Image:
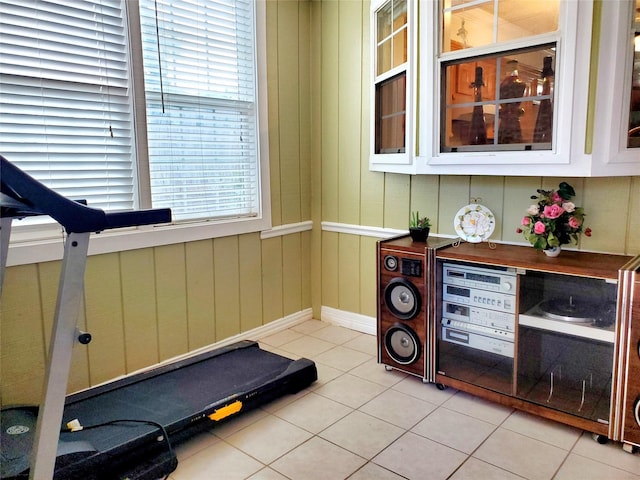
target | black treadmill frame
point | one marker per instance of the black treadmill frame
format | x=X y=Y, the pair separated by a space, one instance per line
x=143 y=445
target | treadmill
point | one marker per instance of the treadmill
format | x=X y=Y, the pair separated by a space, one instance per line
x=125 y=429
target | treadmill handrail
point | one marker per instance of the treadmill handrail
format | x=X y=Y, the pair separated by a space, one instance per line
x=28 y=196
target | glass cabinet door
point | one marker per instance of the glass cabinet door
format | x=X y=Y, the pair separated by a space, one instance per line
x=475 y=316
x=566 y=336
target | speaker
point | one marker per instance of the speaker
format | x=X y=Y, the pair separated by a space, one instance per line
x=402 y=344
x=402 y=308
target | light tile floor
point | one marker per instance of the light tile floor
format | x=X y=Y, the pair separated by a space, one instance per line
x=361 y=422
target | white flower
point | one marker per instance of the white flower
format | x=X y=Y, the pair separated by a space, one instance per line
x=568 y=207
x=533 y=209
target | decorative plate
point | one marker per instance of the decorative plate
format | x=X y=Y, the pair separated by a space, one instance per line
x=474 y=223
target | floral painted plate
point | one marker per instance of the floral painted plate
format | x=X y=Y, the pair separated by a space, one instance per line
x=474 y=223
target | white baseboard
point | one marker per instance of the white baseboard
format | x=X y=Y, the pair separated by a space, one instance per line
x=354 y=321
x=258 y=332
x=262 y=331
x=270 y=328
x=342 y=318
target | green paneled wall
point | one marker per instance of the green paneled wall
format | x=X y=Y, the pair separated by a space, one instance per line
x=143 y=306
x=23 y=338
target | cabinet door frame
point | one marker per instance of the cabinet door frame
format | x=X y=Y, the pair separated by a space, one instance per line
x=574 y=27
x=383 y=161
x=613 y=91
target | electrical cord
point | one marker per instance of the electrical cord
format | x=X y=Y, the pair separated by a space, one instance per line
x=75 y=426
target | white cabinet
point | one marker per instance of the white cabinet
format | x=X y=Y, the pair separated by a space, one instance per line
x=468 y=113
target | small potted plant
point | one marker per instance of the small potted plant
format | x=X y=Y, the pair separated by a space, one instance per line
x=419 y=227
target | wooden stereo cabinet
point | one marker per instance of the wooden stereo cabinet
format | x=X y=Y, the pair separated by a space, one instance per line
x=629 y=360
x=555 y=337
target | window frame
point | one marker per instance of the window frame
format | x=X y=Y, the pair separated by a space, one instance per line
x=378 y=161
x=31 y=244
x=613 y=90
x=566 y=84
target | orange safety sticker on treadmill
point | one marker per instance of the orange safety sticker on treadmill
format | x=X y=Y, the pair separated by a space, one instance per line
x=225 y=411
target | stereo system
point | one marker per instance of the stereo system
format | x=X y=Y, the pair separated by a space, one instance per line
x=478 y=308
x=557 y=338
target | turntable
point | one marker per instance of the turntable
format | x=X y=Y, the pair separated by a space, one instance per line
x=573 y=309
x=578 y=310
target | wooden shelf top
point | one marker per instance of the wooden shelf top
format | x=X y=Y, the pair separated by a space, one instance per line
x=404 y=243
x=569 y=262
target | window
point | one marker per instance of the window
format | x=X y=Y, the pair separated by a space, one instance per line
x=503 y=100
x=67 y=105
x=392 y=40
x=546 y=36
x=616 y=137
x=391 y=93
x=201 y=98
x=65 y=109
x=391 y=110
x=499 y=102
x=487 y=87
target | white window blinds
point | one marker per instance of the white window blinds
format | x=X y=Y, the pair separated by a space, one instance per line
x=200 y=85
x=65 y=112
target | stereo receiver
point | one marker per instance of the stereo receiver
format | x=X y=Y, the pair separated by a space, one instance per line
x=502 y=280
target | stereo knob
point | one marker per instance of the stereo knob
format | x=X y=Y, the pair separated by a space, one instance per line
x=507 y=286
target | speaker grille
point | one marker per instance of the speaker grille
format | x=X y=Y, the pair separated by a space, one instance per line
x=402 y=344
x=402 y=298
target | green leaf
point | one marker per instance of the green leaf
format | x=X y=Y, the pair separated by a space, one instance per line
x=540 y=244
x=566 y=191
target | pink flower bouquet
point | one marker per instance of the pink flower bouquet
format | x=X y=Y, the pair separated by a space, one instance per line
x=553 y=220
